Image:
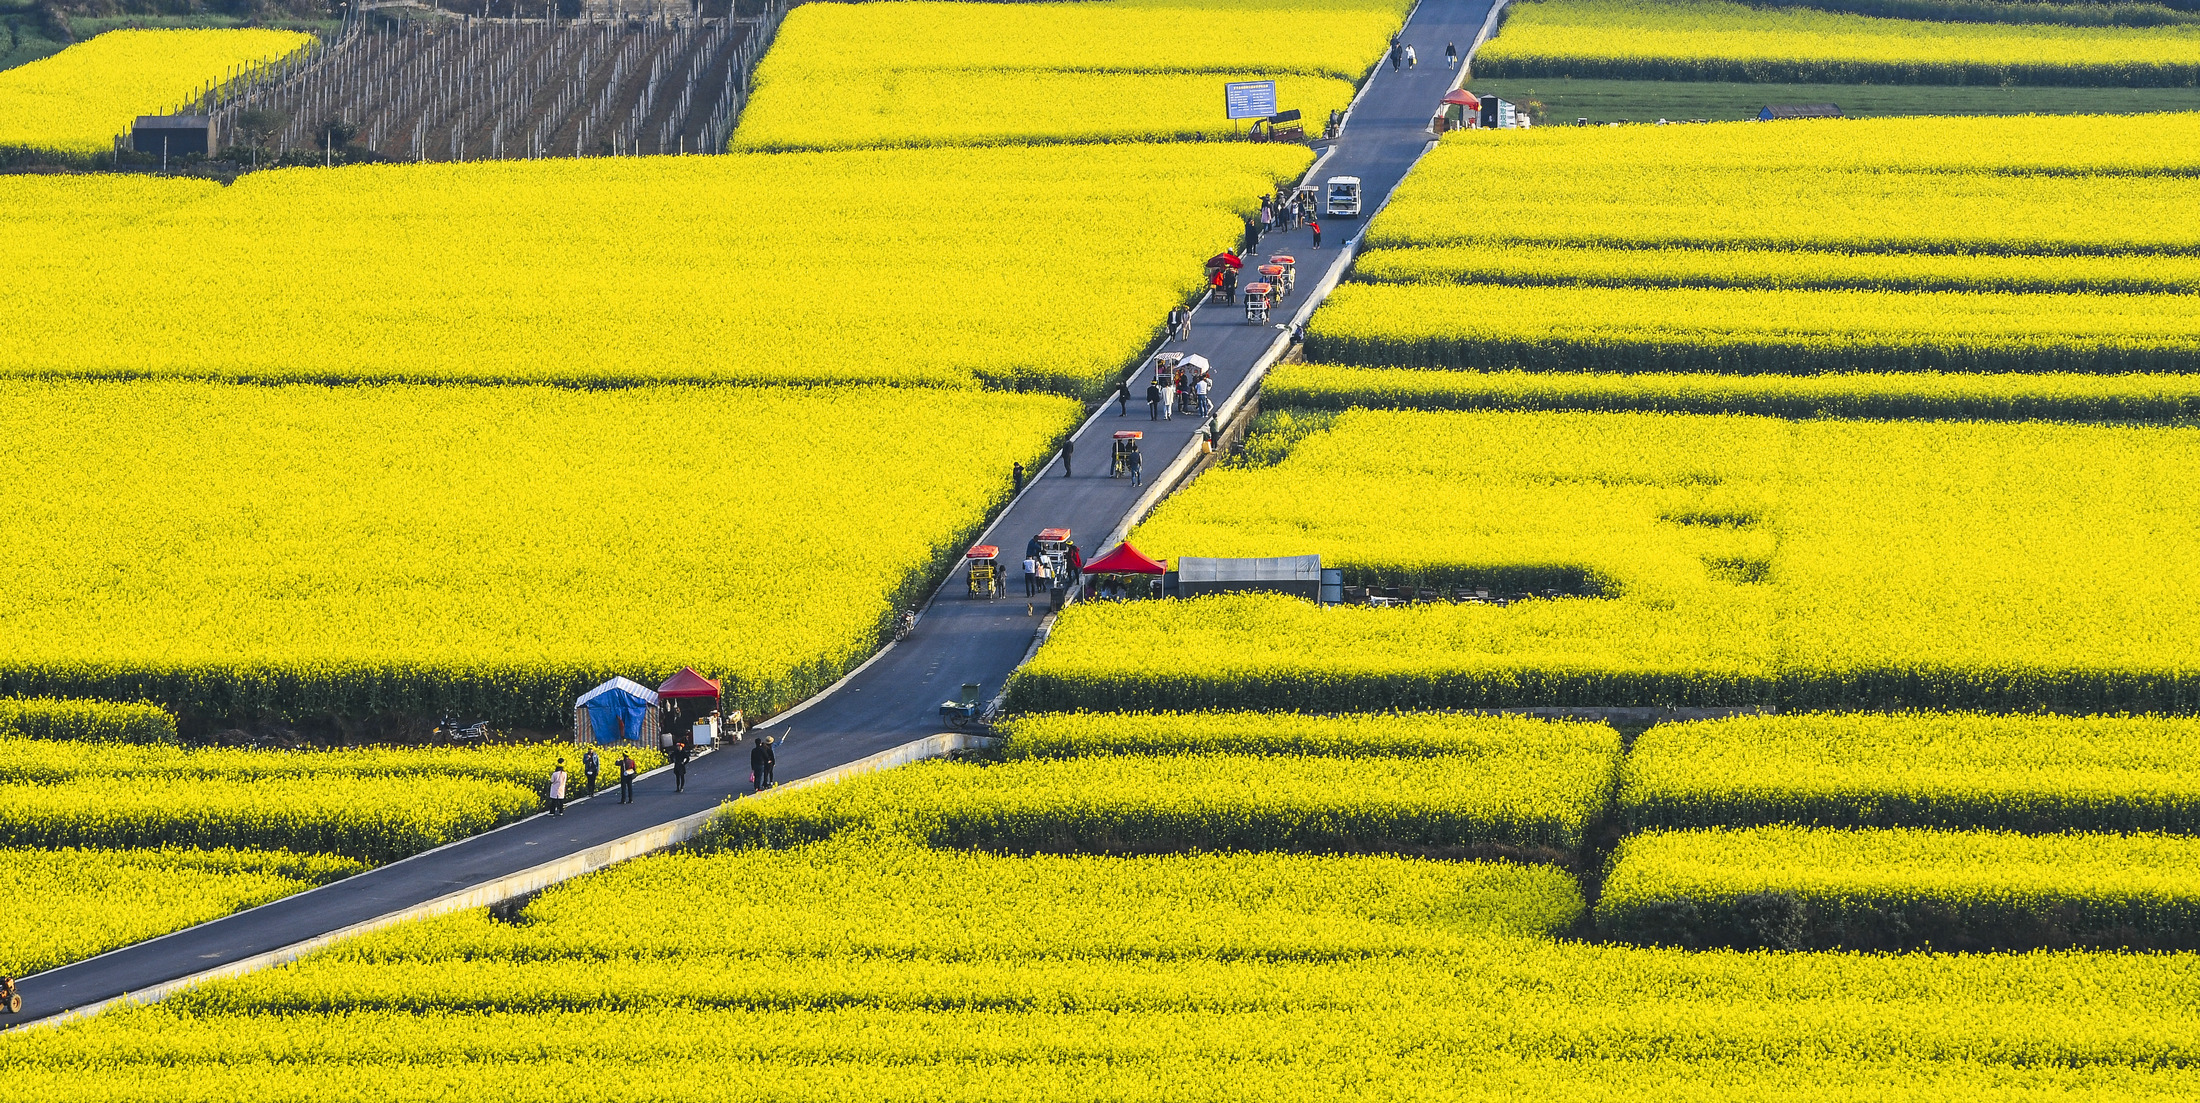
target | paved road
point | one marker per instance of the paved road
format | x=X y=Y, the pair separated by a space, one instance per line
x=894 y=699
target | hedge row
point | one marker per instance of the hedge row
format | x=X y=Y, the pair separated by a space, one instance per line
x=88 y=721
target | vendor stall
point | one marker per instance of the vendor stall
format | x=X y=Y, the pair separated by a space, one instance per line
x=689 y=703
x=1125 y=572
x=620 y=710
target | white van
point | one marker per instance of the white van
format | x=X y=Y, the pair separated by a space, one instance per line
x=1344 y=197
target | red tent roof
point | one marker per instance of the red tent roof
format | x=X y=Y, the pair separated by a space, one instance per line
x=1125 y=560
x=1463 y=98
x=687 y=683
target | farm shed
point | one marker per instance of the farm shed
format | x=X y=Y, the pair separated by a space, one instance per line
x=181 y=134
x=1299 y=575
x=620 y=709
x=1799 y=111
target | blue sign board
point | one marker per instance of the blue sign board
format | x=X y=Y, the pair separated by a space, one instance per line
x=1249 y=99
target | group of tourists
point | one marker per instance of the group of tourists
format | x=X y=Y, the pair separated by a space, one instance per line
x=1282 y=212
x=762 y=757
x=1042 y=575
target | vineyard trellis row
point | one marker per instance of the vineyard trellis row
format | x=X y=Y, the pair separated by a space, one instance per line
x=502 y=89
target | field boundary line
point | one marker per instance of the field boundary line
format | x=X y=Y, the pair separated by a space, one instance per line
x=533 y=879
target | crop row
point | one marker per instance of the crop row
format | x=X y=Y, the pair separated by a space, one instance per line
x=1751 y=331
x=103 y=722
x=413 y=549
x=1312 y=390
x=1097 y=71
x=1716 y=40
x=1718 y=561
x=1794 y=888
x=663 y=268
x=1954 y=771
x=1535 y=799
x=69 y=904
x=77 y=100
x=25 y=762
x=1374 y=735
x=946 y=975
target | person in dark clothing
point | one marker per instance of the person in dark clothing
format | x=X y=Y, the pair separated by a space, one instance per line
x=680 y=756
x=761 y=759
x=1069 y=451
x=1229 y=284
x=1317 y=228
x=1397 y=54
x=590 y=764
x=626 y=778
x=1451 y=55
x=1134 y=458
x=1180 y=324
x=1016 y=477
x=1153 y=401
x=1076 y=565
x=1123 y=398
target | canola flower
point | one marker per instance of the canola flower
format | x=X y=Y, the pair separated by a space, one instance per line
x=1535 y=800
x=844 y=76
x=413 y=549
x=1901 y=888
x=103 y=722
x=1715 y=40
x=624 y=271
x=1954 y=771
x=1314 y=388
x=72 y=904
x=375 y=804
x=1715 y=561
x=1388 y=735
x=76 y=101
x=960 y=976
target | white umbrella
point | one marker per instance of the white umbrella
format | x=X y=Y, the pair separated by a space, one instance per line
x=1198 y=362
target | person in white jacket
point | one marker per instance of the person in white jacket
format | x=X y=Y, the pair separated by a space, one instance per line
x=557 y=789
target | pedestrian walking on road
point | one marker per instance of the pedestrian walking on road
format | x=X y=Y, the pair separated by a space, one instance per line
x=1451 y=56
x=1180 y=324
x=761 y=760
x=589 y=765
x=1397 y=55
x=1317 y=228
x=1133 y=457
x=1016 y=477
x=1069 y=450
x=1411 y=60
x=1123 y=398
x=626 y=777
x=1076 y=565
x=1200 y=388
x=680 y=756
x=1153 y=402
x=557 y=789
x=1168 y=398
x=1229 y=285
x=1031 y=577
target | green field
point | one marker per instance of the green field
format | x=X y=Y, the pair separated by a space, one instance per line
x=1565 y=99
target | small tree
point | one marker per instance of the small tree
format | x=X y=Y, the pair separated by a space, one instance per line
x=258 y=125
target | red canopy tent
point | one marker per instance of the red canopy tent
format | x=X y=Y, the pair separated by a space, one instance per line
x=685 y=698
x=1463 y=98
x=687 y=683
x=1125 y=560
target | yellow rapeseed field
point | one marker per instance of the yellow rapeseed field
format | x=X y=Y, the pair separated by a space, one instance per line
x=77 y=100
x=933 y=267
x=1885 y=246
x=71 y=904
x=307 y=550
x=1716 y=40
x=918 y=74
x=885 y=973
x=1725 y=560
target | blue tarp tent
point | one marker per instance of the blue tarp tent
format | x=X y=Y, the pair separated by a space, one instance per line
x=619 y=709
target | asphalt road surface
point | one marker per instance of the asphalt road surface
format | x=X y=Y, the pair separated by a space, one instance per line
x=896 y=698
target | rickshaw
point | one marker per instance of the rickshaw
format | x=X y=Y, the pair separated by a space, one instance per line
x=1290 y=266
x=1126 y=446
x=1258 y=298
x=963 y=711
x=985 y=571
x=1054 y=550
x=1164 y=368
x=11 y=1001
x=1272 y=275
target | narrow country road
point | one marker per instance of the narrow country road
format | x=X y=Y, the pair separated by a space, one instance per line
x=894 y=699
